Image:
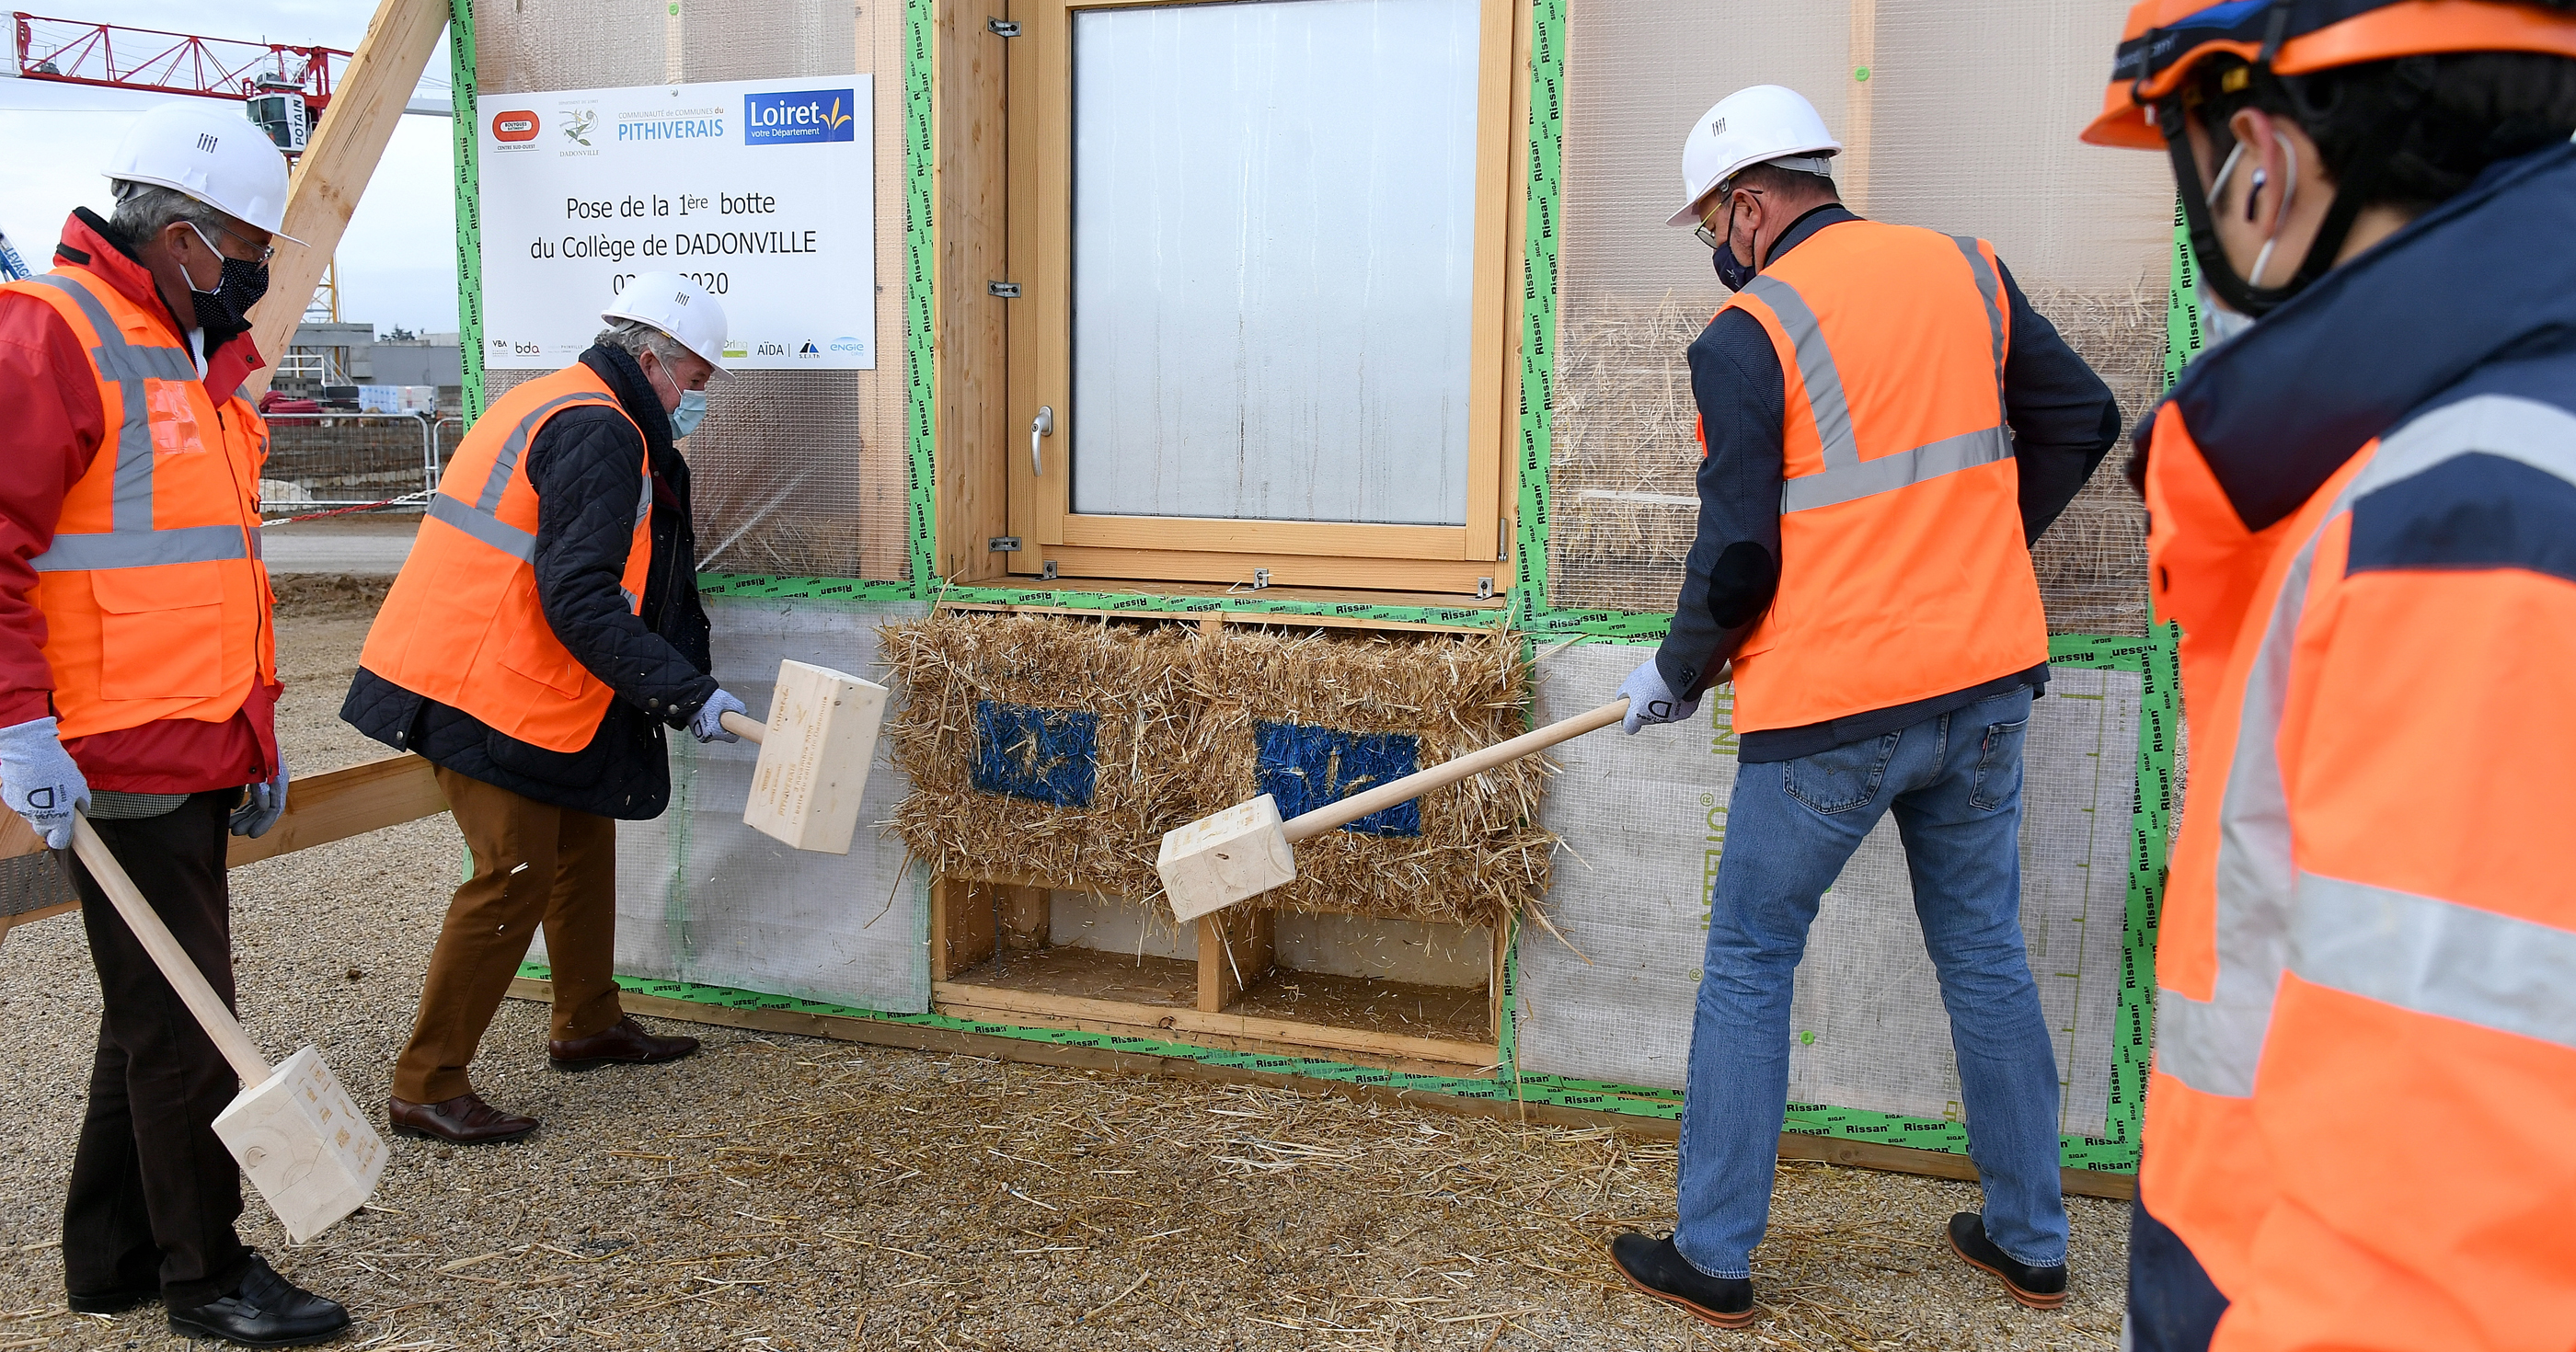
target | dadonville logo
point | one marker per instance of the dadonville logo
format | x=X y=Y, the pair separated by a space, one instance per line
x=514 y=126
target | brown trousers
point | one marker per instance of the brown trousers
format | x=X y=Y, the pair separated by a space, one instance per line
x=534 y=863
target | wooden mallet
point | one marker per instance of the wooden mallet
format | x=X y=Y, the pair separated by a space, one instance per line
x=814 y=754
x=1244 y=851
x=299 y=1138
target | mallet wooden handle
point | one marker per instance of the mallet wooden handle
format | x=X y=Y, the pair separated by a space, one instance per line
x=748 y=730
x=175 y=964
x=1387 y=795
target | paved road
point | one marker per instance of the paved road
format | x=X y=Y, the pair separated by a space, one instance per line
x=368 y=549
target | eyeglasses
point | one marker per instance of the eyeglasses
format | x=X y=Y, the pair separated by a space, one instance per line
x=260 y=253
x=1725 y=195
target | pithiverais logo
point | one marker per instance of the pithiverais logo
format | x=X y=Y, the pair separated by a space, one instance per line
x=798 y=117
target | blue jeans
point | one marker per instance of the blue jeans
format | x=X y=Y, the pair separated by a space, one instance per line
x=1954 y=783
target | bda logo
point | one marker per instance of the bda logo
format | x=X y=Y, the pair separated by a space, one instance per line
x=809 y=350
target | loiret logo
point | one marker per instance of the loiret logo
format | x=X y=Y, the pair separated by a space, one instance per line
x=800 y=117
x=515 y=126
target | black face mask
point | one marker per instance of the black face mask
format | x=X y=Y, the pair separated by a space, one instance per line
x=226 y=309
x=1734 y=273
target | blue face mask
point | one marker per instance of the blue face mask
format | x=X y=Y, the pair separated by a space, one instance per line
x=684 y=420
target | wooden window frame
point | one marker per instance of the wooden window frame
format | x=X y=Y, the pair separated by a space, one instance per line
x=1449 y=560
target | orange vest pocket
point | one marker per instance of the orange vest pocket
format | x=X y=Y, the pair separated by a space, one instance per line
x=176 y=429
x=161 y=631
x=533 y=651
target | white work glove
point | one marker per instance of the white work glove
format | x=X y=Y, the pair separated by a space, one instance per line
x=1652 y=701
x=262 y=805
x=708 y=726
x=39 y=780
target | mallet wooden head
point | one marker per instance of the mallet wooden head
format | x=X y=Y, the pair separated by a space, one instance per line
x=1217 y=861
x=814 y=755
x=298 y=1137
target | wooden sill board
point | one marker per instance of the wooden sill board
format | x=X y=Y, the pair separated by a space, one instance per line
x=320 y=809
x=969 y=1000
x=954 y=1042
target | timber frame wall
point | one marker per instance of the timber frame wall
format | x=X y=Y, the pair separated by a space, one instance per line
x=960 y=430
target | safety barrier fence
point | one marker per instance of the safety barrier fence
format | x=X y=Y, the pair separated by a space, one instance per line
x=324 y=460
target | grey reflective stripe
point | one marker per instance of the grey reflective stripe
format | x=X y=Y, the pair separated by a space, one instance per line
x=1993 y=291
x=2213 y=1045
x=1825 y=401
x=484 y=526
x=127 y=366
x=2540 y=435
x=644 y=500
x=1891 y=472
x=2436 y=957
x=145 y=548
x=516 y=445
x=1846 y=477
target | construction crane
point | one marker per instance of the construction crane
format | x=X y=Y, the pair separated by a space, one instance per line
x=283 y=88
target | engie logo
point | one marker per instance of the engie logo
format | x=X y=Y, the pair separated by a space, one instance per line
x=514 y=127
x=798 y=117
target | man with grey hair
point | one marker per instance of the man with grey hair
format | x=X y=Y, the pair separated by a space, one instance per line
x=138 y=681
x=544 y=631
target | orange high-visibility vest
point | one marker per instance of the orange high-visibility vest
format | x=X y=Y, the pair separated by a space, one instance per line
x=462 y=624
x=156 y=604
x=2365 y=1037
x=1903 y=573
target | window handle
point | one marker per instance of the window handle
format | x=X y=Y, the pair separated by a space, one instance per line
x=1042 y=425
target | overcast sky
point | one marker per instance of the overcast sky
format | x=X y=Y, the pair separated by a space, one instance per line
x=397 y=263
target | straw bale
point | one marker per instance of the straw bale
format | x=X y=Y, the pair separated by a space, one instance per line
x=1481 y=856
x=1177 y=711
x=1623 y=463
x=1134 y=679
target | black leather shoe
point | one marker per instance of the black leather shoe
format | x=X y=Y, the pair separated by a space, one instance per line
x=463 y=1120
x=266 y=1310
x=1655 y=1267
x=117 y=1301
x=622 y=1043
x=2040 y=1288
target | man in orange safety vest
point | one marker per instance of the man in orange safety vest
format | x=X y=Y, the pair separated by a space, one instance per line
x=2363 y=517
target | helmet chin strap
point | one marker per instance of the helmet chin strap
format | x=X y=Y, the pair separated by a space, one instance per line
x=2247 y=295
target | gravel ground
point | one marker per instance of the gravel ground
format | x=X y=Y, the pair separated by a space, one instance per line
x=781 y=1192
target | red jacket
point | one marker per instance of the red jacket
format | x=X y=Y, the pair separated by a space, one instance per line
x=53 y=430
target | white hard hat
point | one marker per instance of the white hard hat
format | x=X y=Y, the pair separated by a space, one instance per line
x=220 y=159
x=1766 y=123
x=678 y=307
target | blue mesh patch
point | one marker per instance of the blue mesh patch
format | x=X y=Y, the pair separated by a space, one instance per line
x=1046 y=755
x=1307 y=767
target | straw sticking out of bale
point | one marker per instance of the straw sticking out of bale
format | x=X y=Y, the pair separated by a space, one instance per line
x=1479 y=856
x=1623 y=463
x=1134 y=680
x=1183 y=724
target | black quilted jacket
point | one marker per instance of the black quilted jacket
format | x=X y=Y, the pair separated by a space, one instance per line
x=582 y=465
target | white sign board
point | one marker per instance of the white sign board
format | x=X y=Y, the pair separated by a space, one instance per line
x=758 y=190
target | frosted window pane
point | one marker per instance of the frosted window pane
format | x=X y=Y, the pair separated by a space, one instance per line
x=1273 y=235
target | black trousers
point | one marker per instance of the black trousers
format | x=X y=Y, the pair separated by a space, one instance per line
x=153 y=1194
